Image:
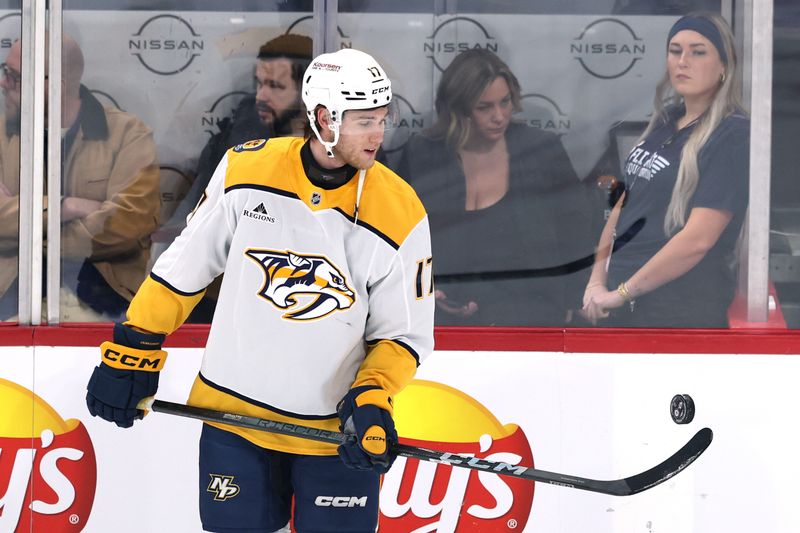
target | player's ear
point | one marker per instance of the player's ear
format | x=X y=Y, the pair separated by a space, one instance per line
x=323 y=117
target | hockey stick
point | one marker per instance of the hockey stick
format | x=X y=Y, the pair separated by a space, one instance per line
x=620 y=487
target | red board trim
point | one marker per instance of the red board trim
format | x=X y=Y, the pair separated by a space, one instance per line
x=577 y=340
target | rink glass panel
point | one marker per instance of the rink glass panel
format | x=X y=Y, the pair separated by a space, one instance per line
x=10 y=194
x=180 y=68
x=194 y=82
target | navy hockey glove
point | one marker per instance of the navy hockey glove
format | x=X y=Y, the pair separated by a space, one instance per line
x=128 y=372
x=365 y=415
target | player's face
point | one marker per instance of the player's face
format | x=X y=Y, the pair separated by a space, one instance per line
x=10 y=81
x=276 y=92
x=694 y=65
x=492 y=112
x=360 y=136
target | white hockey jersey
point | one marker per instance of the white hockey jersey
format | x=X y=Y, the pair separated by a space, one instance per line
x=313 y=300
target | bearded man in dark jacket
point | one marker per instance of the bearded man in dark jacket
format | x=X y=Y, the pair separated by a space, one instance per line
x=275 y=110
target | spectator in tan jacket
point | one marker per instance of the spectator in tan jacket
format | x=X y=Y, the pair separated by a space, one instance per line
x=109 y=196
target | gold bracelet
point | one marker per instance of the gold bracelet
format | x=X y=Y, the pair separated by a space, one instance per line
x=622 y=289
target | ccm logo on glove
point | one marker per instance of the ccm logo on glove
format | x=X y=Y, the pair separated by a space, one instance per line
x=375 y=441
x=132 y=359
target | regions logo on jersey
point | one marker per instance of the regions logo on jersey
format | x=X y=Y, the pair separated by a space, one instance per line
x=260 y=213
x=308 y=286
x=250 y=146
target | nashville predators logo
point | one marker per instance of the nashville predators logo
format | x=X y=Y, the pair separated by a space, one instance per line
x=222 y=487
x=307 y=286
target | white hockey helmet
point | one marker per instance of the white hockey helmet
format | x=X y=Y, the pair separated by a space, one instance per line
x=341 y=81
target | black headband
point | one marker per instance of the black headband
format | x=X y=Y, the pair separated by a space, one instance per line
x=704 y=27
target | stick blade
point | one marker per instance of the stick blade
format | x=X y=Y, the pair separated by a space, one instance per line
x=670 y=467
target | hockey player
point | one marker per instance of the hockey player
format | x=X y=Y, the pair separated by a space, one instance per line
x=325 y=311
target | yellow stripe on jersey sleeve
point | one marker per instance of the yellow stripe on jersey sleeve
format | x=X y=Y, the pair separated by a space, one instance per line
x=203 y=395
x=157 y=309
x=388 y=365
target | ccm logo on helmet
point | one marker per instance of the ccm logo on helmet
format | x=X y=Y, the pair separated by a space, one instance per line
x=132 y=361
x=340 y=501
x=380 y=90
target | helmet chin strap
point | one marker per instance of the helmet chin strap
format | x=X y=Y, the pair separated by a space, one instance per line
x=334 y=127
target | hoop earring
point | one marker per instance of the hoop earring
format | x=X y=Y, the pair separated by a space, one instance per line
x=722 y=78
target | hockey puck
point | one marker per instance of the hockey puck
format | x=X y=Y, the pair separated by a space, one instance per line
x=681 y=408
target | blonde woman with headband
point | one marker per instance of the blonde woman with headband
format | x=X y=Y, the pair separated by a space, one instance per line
x=665 y=255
